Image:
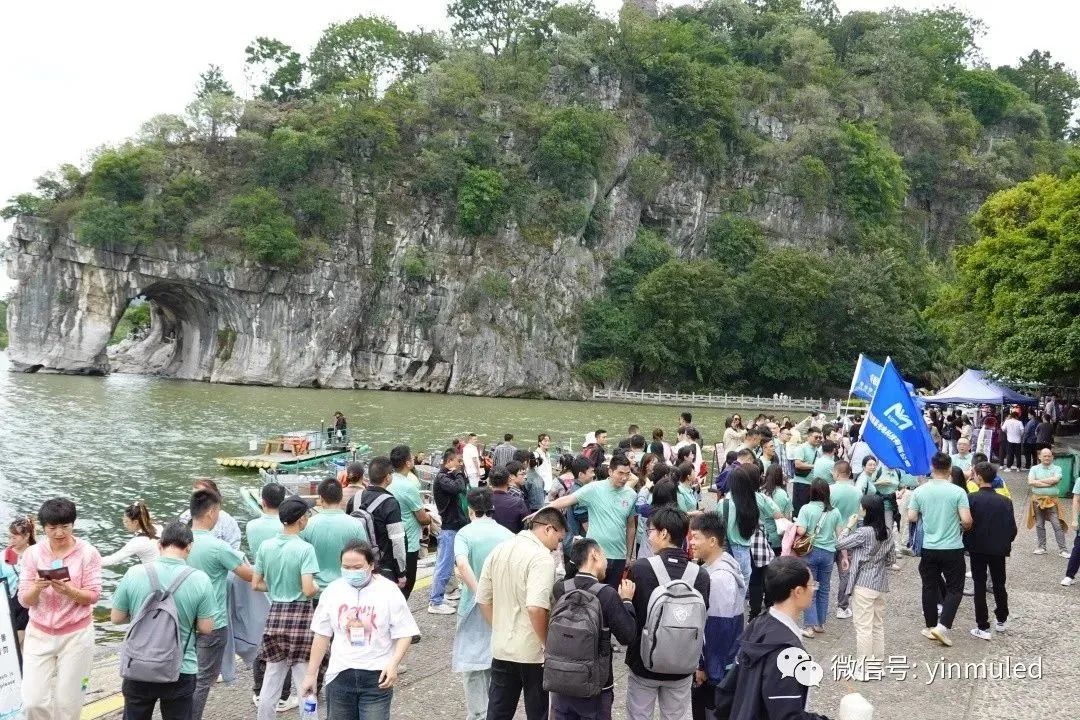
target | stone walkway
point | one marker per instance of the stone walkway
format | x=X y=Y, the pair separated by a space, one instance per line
x=1041 y=629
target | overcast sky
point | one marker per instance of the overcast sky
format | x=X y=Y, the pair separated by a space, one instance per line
x=83 y=74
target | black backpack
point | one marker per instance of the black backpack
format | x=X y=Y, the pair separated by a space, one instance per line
x=574 y=662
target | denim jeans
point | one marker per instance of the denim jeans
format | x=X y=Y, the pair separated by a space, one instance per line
x=821 y=565
x=741 y=553
x=444 y=565
x=211 y=651
x=355 y=695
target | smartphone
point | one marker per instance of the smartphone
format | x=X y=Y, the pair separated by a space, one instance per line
x=60 y=573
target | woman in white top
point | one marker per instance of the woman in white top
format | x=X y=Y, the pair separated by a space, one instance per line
x=145 y=543
x=734 y=433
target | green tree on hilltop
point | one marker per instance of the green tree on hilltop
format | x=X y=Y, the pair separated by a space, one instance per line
x=1047 y=83
x=363 y=50
x=275 y=69
x=497 y=24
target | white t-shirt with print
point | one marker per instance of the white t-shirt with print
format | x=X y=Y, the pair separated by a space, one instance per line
x=363 y=623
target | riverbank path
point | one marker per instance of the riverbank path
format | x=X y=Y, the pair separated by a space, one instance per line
x=1042 y=628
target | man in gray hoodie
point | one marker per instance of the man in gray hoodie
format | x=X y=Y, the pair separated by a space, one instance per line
x=724 y=624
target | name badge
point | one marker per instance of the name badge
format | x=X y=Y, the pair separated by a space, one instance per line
x=357 y=636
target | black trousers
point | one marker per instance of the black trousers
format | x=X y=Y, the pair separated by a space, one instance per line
x=936 y=566
x=1012 y=454
x=410 y=572
x=756 y=592
x=613 y=575
x=703 y=701
x=564 y=707
x=508 y=681
x=996 y=565
x=800 y=495
x=175 y=699
x=1028 y=451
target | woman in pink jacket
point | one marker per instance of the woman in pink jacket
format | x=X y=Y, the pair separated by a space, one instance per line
x=59 y=647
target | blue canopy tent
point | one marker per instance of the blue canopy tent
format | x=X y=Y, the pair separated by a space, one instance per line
x=974 y=387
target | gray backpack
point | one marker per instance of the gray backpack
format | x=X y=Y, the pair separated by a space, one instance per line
x=152 y=651
x=573 y=658
x=674 y=629
x=364 y=515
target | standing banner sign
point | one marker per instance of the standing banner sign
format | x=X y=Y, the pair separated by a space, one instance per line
x=11 y=706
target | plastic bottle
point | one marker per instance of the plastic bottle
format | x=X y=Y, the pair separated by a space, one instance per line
x=854 y=706
x=310 y=708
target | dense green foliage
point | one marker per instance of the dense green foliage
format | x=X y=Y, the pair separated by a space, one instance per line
x=135 y=319
x=802 y=175
x=3 y=325
x=1015 y=304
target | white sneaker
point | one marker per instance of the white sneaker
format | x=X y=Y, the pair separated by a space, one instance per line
x=1039 y=551
x=442 y=609
x=940 y=608
x=843 y=613
x=927 y=633
x=1067 y=581
x=942 y=635
x=981 y=634
x=894 y=566
x=1064 y=554
x=1001 y=627
x=287 y=705
x=255 y=700
x=455 y=595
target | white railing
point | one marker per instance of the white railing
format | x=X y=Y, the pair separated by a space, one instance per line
x=733 y=402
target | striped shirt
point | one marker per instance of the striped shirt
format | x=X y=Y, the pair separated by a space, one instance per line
x=870 y=558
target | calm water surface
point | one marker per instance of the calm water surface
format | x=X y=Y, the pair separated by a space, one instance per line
x=104 y=442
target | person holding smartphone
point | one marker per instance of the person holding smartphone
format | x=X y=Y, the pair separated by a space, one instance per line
x=60 y=583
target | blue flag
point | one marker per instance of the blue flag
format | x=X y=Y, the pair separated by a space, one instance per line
x=866 y=378
x=894 y=427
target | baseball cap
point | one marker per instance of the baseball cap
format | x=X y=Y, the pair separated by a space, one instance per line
x=292 y=509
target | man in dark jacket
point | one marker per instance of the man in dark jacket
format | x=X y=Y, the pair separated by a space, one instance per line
x=762 y=691
x=617 y=610
x=645 y=689
x=989 y=542
x=386 y=514
x=450 y=488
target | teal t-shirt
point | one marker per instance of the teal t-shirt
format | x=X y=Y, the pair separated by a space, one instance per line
x=194 y=601
x=865 y=483
x=475 y=542
x=961 y=461
x=687 y=499
x=782 y=501
x=328 y=532
x=1041 y=472
x=823 y=467
x=825 y=538
x=282 y=560
x=766 y=509
x=217 y=559
x=609 y=512
x=261 y=529
x=808 y=455
x=407 y=491
x=939 y=502
x=845 y=497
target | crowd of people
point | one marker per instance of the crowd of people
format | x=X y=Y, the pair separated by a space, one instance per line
x=550 y=564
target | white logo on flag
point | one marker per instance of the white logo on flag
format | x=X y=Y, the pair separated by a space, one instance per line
x=896 y=415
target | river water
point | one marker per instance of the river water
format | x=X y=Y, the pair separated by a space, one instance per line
x=107 y=441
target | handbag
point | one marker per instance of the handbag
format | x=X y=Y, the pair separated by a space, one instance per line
x=805 y=543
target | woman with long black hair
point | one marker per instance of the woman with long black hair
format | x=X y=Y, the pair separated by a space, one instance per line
x=772 y=487
x=870 y=551
x=745 y=509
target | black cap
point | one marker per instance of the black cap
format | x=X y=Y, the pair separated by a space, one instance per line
x=292 y=509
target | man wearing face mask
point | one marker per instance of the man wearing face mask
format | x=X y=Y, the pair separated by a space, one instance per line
x=364 y=621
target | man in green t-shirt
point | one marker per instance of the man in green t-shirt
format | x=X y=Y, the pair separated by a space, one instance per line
x=330 y=530
x=259 y=530
x=195 y=613
x=217 y=559
x=845 y=497
x=406 y=489
x=285 y=569
x=612 y=515
x=1043 y=479
x=804 y=458
x=943 y=509
x=823 y=465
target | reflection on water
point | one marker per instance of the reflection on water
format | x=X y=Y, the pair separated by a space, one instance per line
x=105 y=442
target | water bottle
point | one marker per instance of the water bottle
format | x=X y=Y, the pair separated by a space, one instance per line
x=310 y=709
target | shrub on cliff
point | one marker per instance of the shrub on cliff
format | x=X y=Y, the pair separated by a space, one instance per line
x=266 y=231
x=480 y=202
